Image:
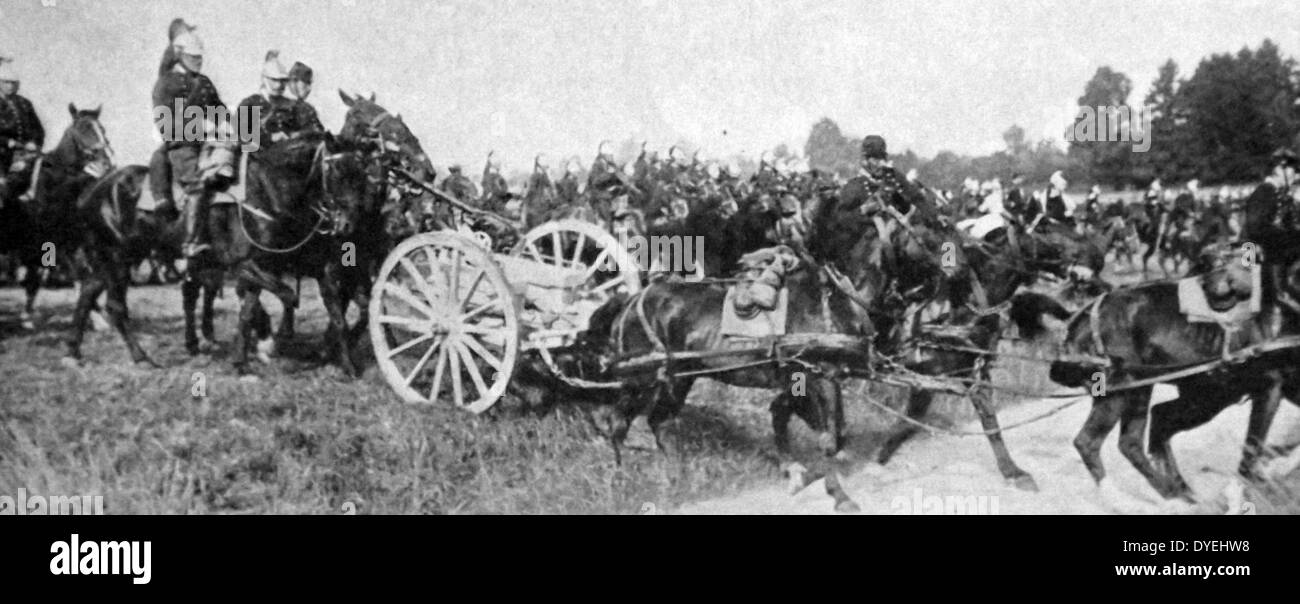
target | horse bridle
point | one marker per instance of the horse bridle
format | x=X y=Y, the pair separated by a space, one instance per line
x=322 y=162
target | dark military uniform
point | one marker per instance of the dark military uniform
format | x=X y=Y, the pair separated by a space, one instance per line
x=496 y=193
x=888 y=183
x=192 y=90
x=567 y=189
x=1055 y=205
x=540 y=198
x=19 y=126
x=459 y=187
x=603 y=175
x=279 y=114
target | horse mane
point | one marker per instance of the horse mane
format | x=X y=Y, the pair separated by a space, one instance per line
x=64 y=154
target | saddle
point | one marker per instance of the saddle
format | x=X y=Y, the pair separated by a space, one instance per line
x=756 y=305
x=762 y=277
x=1235 y=321
x=217 y=165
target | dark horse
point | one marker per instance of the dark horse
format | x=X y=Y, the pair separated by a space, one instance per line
x=384 y=137
x=305 y=195
x=1141 y=333
x=40 y=225
x=945 y=294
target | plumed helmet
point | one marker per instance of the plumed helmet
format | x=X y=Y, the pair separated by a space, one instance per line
x=272 y=68
x=873 y=146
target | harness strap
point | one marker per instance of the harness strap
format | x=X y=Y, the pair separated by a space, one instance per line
x=1094 y=324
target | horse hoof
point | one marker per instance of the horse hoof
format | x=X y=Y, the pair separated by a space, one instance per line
x=147 y=363
x=847 y=506
x=70 y=362
x=1024 y=482
x=795 y=475
x=27 y=323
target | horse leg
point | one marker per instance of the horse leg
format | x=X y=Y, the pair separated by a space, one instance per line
x=918 y=403
x=248 y=305
x=1105 y=414
x=91 y=287
x=666 y=403
x=1263 y=409
x=823 y=411
x=118 y=314
x=189 y=301
x=1168 y=419
x=981 y=398
x=1133 y=427
x=782 y=410
x=31 y=285
x=334 y=305
x=211 y=287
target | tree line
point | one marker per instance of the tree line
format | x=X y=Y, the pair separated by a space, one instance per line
x=1220 y=125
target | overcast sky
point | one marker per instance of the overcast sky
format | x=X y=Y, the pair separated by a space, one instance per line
x=559 y=76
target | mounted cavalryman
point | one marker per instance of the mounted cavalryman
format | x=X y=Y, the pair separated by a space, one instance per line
x=20 y=131
x=300 y=77
x=280 y=115
x=183 y=87
x=496 y=193
x=160 y=173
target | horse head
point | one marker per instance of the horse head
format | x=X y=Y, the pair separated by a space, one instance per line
x=85 y=146
x=351 y=190
x=368 y=124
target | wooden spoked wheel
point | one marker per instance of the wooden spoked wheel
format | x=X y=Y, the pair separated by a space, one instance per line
x=581 y=262
x=444 y=322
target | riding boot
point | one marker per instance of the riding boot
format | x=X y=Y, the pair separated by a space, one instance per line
x=195 y=219
x=160 y=184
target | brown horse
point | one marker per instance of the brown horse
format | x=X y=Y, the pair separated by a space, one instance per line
x=1141 y=333
x=41 y=224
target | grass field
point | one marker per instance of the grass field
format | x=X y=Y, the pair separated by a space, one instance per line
x=302 y=439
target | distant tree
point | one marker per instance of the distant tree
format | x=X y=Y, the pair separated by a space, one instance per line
x=1102 y=160
x=1239 y=109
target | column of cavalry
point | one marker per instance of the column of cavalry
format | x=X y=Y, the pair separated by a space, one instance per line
x=803 y=280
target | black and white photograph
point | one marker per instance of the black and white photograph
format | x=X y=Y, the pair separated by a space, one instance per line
x=651 y=258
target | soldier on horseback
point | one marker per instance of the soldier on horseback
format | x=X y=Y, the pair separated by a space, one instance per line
x=282 y=117
x=300 y=77
x=183 y=86
x=1054 y=206
x=459 y=186
x=567 y=187
x=21 y=134
x=496 y=193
